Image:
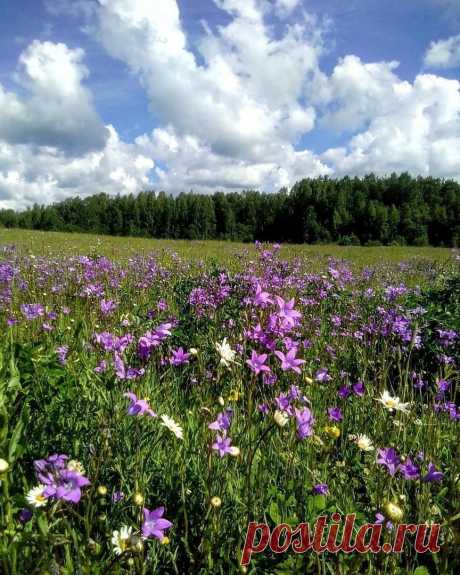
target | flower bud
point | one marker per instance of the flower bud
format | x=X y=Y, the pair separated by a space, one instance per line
x=216 y=501
x=280 y=418
x=138 y=499
x=393 y=511
x=4 y=465
x=102 y=490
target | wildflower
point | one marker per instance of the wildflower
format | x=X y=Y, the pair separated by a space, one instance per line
x=364 y=443
x=322 y=375
x=121 y=540
x=280 y=418
x=234 y=395
x=4 y=465
x=222 y=445
x=62 y=352
x=409 y=469
x=333 y=431
x=68 y=486
x=344 y=391
x=257 y=362
x=321 y=489
x=389 y=458
x=335 y=414
x=289 y=360
x=393 y=511
x=138 y=406
x=154 y=524
x=223 y=421
x=117 y=496
x=432 y=474
x=179 y=357
x=36 y=496
x=138 y=499
x=25 y=515
x=193 y=351
x=108 y=306
x=392 y=403
x=263 y=408
x=173 y=427
x=102 y=490
x=358 y=389
x=216 y=501
x=227 y=354
x=305 y=421
x=380 y=519
x=287 y=312
x=32 y=310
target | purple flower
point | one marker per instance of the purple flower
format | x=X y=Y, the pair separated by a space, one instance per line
x=138 y=406
x=344 y=391
x=62 y=352
x=154 y=524
x=358 y=388
x=60 y=482
x=305 y=421
x=389 y=458
x=69 y=486
x=287 y=312
x=25 y=515
x=117 y=496
x=108 y=306
x=261 y=298
x=432 y=474
x=263 y=408
x=321 y=489
x=179 y=357
x=289 y=360
x=223 y=445
x=123 y=372
x=223 y=421
x=380 y=519
x=257 y=362
x=322 y=375
x=101 y=367
x=409 y=469
x=32 y=310
x=335 y=414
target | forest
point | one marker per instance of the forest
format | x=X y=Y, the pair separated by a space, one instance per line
x=395 y=210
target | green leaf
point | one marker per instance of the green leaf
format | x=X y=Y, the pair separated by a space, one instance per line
x=274 y=512
x=421 y=571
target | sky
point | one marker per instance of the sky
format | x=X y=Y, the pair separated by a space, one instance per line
x=119 y=96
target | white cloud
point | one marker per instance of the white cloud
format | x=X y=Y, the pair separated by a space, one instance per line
x=444 y=53
x=230 y=113
x=57 y=110
x=46 y=175
x=407 y=127
x=234 y=99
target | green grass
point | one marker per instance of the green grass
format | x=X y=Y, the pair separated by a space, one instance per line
x=57 y=243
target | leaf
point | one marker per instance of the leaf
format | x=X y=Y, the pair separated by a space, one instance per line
x=274 y=512
x=421 y=571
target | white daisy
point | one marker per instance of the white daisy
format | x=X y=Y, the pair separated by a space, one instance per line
x=35 y=496
x=172 y=426
x=121 y=540
x=364 y=443
x=227 y=354
x=393 y=403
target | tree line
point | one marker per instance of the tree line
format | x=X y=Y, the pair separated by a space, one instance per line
x=398 y=209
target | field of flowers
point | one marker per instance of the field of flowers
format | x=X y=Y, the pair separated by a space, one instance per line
x=152 y=404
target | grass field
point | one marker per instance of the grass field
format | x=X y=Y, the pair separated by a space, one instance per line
x=56 y=243
x=158 y=396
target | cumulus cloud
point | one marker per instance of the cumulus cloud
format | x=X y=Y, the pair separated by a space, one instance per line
x=46 y=175
x=444 y=53
x=411 y=127
x=57 y=109
x=231 y=97
x=230 y=110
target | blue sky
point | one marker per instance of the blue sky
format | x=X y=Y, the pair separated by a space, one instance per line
x=124 y=95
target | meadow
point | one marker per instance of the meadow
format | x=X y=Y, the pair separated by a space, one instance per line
x=157 y=396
